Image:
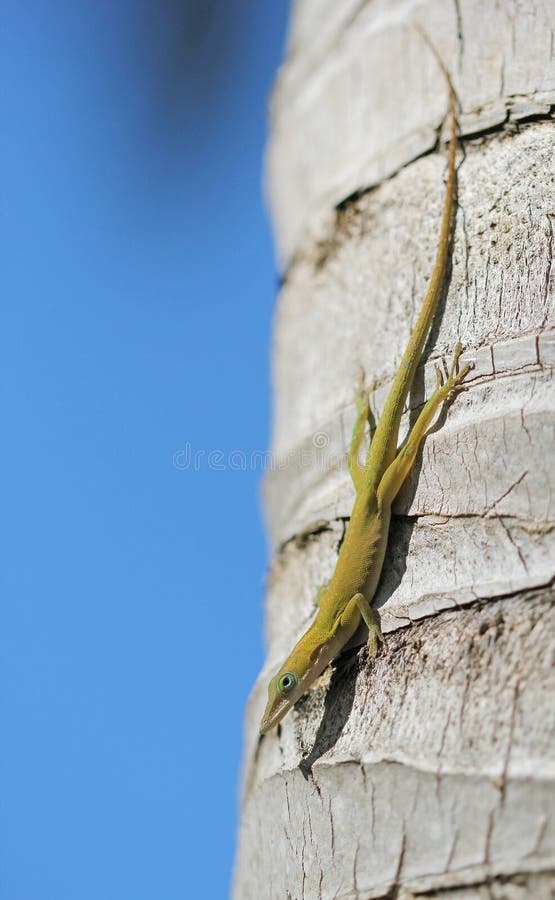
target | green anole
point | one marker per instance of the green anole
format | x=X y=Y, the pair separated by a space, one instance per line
x=346 y=599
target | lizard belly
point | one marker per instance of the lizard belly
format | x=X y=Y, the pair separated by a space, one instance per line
x=361 y=556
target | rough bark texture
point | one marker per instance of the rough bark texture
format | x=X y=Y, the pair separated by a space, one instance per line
x=432 y=770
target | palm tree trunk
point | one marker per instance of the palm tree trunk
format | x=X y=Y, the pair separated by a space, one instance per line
x=432 y=770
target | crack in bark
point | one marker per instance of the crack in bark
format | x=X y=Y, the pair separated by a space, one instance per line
x=490 y=881
x=452 y=849
x=514 y=544
x=548 y=274
x=332 y=829
x=460 y=32
x=489 y=833
x=393 y=892
x=355 y=861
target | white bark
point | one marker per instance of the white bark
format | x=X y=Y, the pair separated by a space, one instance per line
x=434 y=768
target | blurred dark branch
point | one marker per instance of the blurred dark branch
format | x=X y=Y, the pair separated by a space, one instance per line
x=189 y=50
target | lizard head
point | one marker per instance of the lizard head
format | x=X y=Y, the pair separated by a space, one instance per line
x=305 y=664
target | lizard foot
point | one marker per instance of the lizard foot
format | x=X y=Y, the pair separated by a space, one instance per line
x=375 y=638
x=454 y=382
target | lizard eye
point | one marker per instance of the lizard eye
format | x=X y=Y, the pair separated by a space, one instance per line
x=287 y=682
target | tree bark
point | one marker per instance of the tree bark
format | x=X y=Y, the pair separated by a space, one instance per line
x=430 y=771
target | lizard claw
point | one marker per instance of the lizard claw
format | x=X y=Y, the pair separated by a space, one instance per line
x=456 y=377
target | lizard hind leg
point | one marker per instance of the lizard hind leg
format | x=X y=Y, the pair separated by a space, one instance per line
x=395 y=475
x=364 y=415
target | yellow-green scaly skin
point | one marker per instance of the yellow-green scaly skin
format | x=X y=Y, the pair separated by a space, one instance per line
x=347 y=597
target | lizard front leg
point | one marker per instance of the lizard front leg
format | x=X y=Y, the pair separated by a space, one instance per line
x=359 y=606
x=368 y=613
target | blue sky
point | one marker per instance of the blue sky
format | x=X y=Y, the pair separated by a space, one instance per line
x=138 y=289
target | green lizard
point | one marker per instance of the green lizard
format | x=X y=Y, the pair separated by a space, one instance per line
x=346 y=599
